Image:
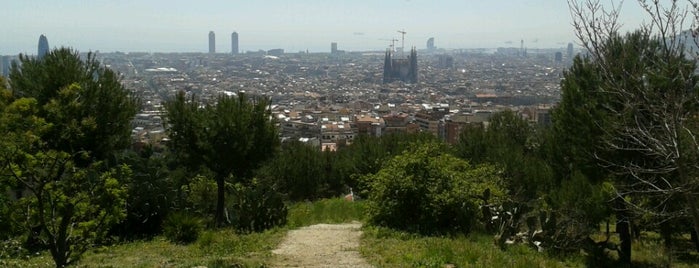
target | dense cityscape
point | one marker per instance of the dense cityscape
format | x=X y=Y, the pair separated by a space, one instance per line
x=318 y=135
x=326 y=99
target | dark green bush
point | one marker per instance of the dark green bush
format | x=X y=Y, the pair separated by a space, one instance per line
x=428 y=191
x=182 y=228
x=257 y=207
x=152 y=193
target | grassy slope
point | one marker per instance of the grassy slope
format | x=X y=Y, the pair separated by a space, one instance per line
x=214 y=248
x=381 y=246
x=388 y=248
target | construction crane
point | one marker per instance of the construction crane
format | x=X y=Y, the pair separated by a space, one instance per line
x=402 y=45
x=393 y=43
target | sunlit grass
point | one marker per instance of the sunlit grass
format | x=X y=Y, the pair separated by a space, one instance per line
x=388 y=248
x=325 y=211
x=215 y=248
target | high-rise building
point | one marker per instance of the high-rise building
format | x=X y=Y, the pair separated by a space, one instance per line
x=430 y=43
x=6 y=63
x=43 y=46
x=234 y=43
x=558 y=57
x=570 y=51
x=212 y=42
x=333 y=48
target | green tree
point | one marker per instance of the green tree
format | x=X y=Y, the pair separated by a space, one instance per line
x=514 y=144
x=93 y=117
x=230 y=137
x=62 y=117
x=67 y=208
x=647 y=87
x=298 y=170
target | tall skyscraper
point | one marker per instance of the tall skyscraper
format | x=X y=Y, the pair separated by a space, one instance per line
x=234 y=43
x=212 y=42
x=333 y=48
x=430 y=43
x=43 y=46
x=6 y=63
x=570 y=51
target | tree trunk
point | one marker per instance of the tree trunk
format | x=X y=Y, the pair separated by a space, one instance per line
x=692 y=204
x=622 y=227
x=220 y=200
x=666 y=235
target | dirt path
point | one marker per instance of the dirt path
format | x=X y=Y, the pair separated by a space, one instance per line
x=322 y=245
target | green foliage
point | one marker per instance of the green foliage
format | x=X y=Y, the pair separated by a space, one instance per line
x=231 y=137
x=152 y=193
x=257 y=207
x=573 y=212
x=72 y=209
x=182 y=228
x=200 y=195
x=514 y=145
x=579 y=123
x=302 y=172
x=298 y=170
x=89 y=107
x=61 y=119
x=426 y=190
x=367 y=155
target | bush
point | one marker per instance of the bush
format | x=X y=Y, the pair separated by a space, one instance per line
x=152 y=193
x=257 y=207
x=428 y=191
x=182 y=228
x=12 y=248
x=201 y=194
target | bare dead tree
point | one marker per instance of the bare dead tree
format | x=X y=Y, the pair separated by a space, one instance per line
x=650 y=81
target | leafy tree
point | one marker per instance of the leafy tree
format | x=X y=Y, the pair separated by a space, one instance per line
x=61 y=119
x=230 y=137
x=512 y=143
x=299 y=171
x=68 y=209
x=93 y=117
x=427 y=190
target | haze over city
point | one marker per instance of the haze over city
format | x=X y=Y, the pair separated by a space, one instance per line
x=182 y=26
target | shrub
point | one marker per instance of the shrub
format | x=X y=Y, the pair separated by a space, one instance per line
x=201 y=194
x=152 y=193
x=257 y=207
x=182 y=228
x=426 y=190
x=12 y=248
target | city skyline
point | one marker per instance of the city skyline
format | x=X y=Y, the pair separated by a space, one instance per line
x=181 y=26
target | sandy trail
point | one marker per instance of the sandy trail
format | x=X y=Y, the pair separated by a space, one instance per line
x=321 y=245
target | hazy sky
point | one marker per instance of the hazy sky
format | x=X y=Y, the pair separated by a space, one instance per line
x=294 y=25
